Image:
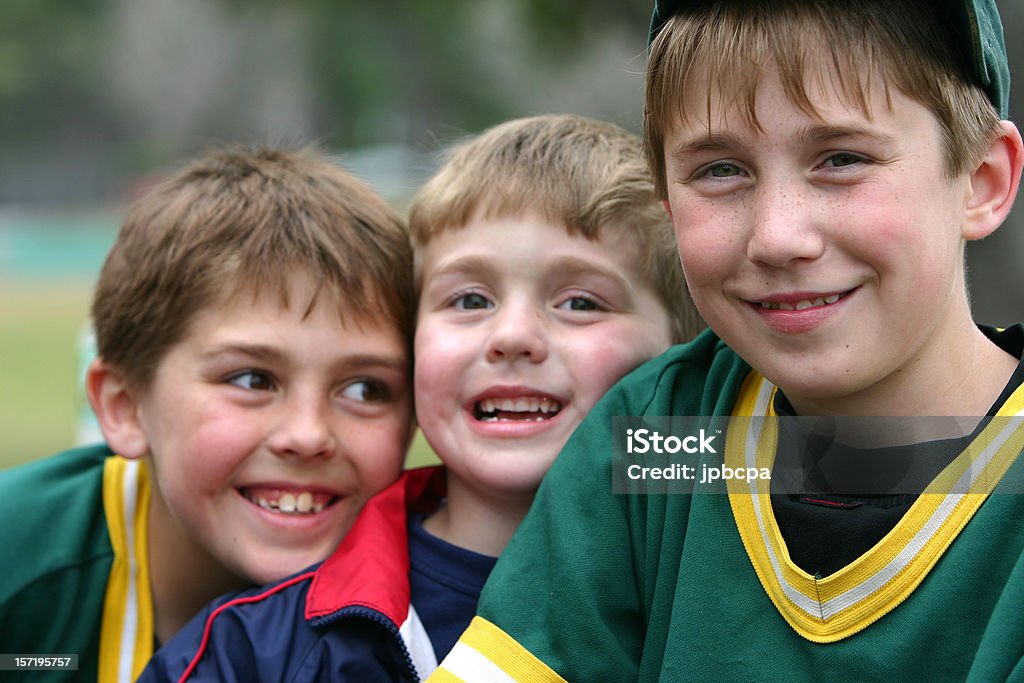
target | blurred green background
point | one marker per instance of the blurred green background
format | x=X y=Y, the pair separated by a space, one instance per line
x=100 y=97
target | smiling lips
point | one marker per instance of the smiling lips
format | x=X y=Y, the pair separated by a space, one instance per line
x=797 y=313
x=288 y=502
x=522 y=408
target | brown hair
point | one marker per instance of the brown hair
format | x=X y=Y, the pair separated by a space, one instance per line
x=846 y=45
x=575 y=171
x=247 y=221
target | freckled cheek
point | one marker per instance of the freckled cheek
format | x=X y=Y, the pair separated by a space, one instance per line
x=706 y=249
x=899 y=242
x=702 y=268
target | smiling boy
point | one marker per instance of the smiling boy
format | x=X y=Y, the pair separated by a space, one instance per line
x=824 y=164
x=546 y=272
x=502 y=380
x=253 y=375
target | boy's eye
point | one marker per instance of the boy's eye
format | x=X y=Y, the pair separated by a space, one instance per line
x=252 y=380
x=723 y=169
x=366 y=391
x=843 y=159
x=472 y=301
x=579 y=303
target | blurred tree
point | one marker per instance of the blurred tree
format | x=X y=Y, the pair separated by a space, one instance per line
x=51 y=98
x=95 y=92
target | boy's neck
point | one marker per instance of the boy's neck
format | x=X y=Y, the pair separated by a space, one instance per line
x=963 y=377
x=479 y=521
x=183 y=578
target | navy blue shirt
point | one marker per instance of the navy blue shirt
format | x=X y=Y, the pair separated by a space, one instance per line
x=445 y=583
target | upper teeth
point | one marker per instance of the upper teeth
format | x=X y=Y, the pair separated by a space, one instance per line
x=520 y=405
x=800 y=305
x=291 y=504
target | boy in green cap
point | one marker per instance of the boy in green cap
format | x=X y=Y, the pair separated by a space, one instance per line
x=824 y=163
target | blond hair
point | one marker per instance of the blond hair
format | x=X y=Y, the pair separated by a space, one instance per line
x=575 y=171
x=240 y=221
x=727 y=47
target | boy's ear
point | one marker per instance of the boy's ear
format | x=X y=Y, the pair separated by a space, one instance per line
x=993 y=184
x=117 y=409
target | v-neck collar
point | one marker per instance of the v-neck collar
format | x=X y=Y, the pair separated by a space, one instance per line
x=841 y=604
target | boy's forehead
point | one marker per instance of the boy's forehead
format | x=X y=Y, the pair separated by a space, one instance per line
x=487 y=238
x=710 y=103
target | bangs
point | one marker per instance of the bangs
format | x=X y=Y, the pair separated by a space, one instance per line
x=727 y=53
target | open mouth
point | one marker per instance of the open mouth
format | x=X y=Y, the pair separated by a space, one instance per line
x=521 y=409
x=802 y=304
x=288 y=502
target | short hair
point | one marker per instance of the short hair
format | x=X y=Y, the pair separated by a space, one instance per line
x=248 y=221
x=574 y=171
x=723 y=45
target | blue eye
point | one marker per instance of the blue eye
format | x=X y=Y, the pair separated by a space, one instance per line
x=366 y=391
x=579 y=303
x=723 y=169
x=254 y=380
x=472 y=301
x=841 y=159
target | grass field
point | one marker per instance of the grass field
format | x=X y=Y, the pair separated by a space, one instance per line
x=39 y=330
x=39 y=327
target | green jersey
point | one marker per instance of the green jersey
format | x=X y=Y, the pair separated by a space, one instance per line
x=74 y=565
x=700 y=586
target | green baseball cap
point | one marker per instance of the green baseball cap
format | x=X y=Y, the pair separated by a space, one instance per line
x=975 y=20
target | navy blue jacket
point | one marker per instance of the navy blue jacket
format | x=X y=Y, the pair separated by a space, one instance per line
x=347 y=619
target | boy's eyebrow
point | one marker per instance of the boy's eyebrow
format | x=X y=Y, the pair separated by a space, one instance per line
x=270 y=354
x=828 y=133
x=817 y=134
x=573 y=265
x=461 y=266
x=708 y=142
x=568 y=265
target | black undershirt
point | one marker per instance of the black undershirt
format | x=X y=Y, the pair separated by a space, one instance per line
x=825 y=531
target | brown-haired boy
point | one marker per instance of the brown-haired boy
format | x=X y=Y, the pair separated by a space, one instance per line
x=546 y=271
x=253 y=322
x=825 y=163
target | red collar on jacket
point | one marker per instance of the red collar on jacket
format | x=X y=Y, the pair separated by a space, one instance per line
x=370 y=568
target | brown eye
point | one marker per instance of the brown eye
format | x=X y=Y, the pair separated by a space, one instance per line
x=366 y=391
x=252 y=380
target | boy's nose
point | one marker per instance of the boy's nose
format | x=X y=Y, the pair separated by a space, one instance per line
x=783 y=225
x=303 y=430
x=518 y=334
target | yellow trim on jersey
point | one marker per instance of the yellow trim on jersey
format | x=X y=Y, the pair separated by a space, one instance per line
x=848 y=601
x=126 y=635
x=486 y=653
